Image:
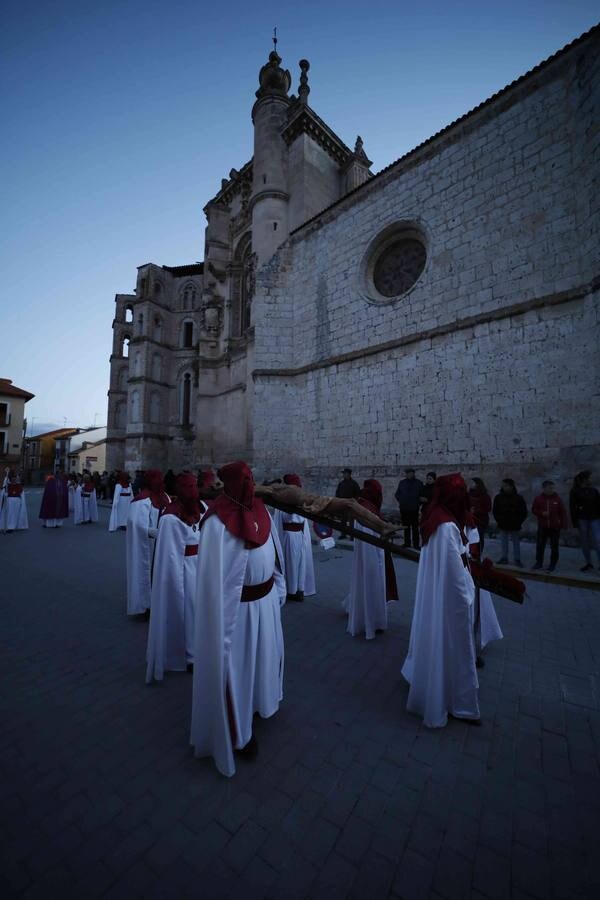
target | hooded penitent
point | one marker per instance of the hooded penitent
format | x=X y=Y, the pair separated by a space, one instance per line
x=243 y=515
x=55 y=501
x=449 y=503
x=187 y=505
x=154 y=489
x=371 y=497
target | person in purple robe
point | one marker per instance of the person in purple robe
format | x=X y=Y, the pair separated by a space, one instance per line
x=55 y=501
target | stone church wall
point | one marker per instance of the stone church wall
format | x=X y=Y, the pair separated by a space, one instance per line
x=489 y=364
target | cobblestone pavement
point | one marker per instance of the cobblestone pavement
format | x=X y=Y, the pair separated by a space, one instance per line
x=350 y=796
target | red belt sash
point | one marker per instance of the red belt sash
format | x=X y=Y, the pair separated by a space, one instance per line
x=125 y=494
x=293 y=526
x=252 y=592
x=191 y=550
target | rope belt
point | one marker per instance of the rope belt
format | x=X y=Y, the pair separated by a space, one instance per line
x=293 y=526
x=191 y=550
x=252 y=592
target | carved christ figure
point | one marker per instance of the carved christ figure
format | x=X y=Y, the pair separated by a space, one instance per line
x=338 y=507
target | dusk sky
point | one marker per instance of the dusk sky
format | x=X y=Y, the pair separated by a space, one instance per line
x=121 y=118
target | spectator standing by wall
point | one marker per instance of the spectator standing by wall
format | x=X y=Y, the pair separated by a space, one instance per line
x=348 y=489
x=509 y=511
x=481 y=507
x=584 y=504
x=551 y=514
x=408 y=494
x=427 y=492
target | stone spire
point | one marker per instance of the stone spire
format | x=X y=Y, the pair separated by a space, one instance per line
x=272 y=78
x=304 y=89
x=357 y=169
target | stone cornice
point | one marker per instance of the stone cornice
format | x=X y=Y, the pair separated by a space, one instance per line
x=494 y=315
x=304 y=120
x=241 y=386
x=232 y=186
x=263 y=195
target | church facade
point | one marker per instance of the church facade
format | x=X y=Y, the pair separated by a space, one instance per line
x=442 y=313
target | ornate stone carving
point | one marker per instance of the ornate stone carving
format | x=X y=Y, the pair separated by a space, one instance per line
x=211 y=318
x=304 y=89
x=399 y=266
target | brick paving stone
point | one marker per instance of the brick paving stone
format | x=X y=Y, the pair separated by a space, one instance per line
x=337 y=875
x=491 y=874
x=374 y=879
x=453 y=874
x=413 y=876
x=242 y=847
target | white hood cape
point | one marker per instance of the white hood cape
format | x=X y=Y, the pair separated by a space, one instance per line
x=440 y=665
x=222 y=561
x=120 y=507
x=171 y=631
x=139 y=546
x=84 y=510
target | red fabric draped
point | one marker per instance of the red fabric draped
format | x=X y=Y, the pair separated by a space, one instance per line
x=292 y=479
x=449 y=503
x=371 y=497
x=243 y=515
x=186 y=506
x=154 y=489
x=372 y=492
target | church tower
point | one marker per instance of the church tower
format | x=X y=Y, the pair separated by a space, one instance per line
x=270 y=193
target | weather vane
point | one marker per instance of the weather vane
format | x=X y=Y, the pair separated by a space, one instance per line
x=275 y=39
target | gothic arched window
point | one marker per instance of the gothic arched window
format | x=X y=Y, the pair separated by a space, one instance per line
x=125 y=347
x=243 y=286
x=187 y=334
x=129 y=313
x=157 y=367
x=157 y=328
x=188 y=297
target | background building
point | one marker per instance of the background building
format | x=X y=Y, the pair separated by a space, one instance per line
x=12 y=422
x=87 y=451
x=441 y=314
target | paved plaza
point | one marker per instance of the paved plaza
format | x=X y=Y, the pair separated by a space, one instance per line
x=350 y=796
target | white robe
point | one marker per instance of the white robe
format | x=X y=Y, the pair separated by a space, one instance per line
x=72 y=490
x=487 y=626
x=85 y=506
x=238 y=646
x=120 y=508
x=171 y=632
x=366 y=602
x=440 y=666
x=13 y=515
x=297 y=554
x=142 y=517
